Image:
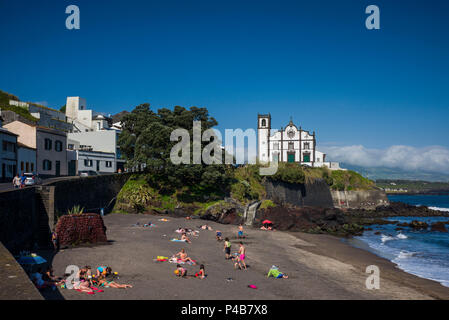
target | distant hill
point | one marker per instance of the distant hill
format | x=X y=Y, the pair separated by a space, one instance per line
x=118 y=117
x=376 y=173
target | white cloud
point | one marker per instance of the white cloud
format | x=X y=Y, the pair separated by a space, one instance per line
x=432 y=158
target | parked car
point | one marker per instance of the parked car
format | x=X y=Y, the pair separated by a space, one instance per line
x=31 y=179
x=87 y=173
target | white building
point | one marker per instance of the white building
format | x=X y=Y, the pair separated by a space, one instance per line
x=84 y=158
x=289 y=144
x=103 y=141
x=94 y=132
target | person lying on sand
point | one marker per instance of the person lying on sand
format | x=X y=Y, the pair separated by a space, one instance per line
x=218 y=235
x=183 y=257
x=102 y=281
x=275 y=273
x=205 y=227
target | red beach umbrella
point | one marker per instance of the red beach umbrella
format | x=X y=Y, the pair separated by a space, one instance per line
x=267 y=222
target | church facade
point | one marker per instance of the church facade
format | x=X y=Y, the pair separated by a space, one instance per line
x=289 y=144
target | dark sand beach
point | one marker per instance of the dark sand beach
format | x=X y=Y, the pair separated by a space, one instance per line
x=319 y=266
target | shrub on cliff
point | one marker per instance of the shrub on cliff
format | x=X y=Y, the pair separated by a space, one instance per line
x=350 y=180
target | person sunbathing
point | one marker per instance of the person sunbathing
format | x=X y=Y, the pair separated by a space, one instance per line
x=275 y=273
x=183 y=257
x=185 y=238
x=102 y=281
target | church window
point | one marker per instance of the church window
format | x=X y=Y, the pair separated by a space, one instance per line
x=306 y=146
x=264 y=123
x=291 y=134
x=276 y=146
x=291 y=146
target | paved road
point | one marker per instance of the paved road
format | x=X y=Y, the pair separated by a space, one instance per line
x=7 y=186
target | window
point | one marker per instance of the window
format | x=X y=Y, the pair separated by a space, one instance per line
x=291 y=134
x=21 y=166
x=291 y=146
x=87 y=163
x=9 y=146
x=27 y=167
x=58 y=146
x=47 y=165
x=276 y=146
x=264 y=123
x=317 y=159
x=108 y=164
x=71 y=146
x=32 y=167
x=306 y=146
x=48 y=144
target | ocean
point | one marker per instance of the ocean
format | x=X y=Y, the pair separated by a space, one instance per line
x=422 y=253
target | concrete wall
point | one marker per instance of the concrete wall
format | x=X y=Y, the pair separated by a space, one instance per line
x=18 y=219
x=365 y=199
x=26 y=156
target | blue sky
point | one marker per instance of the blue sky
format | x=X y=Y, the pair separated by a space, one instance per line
x=312 y=60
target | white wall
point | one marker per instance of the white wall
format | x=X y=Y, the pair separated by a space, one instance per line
x=101 y=157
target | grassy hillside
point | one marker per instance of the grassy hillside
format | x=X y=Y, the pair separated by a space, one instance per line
x=246 y=185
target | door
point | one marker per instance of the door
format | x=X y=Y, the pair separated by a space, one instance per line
x=98 y=165
x=72 y=168
x=58 y=168
x=307 y=157
x=291 y=157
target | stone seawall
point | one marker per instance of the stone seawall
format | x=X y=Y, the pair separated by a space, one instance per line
x=318 y=194
x=364 y=199
x=315 y=194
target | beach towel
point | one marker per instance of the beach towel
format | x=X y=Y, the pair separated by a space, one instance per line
x=177 y=240
x=79 y=290
x=163 y=219
x=252 y=286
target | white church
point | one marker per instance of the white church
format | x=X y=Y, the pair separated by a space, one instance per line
x=289 y=144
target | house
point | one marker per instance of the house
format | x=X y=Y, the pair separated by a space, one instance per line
x=8 y=154
x=86 y=159
x=104 y=142
x=289 y=144
x=50 y=147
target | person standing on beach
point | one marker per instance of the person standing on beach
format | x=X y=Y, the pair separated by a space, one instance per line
x=227 y=248
x=240 y=232
x=241 y=257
